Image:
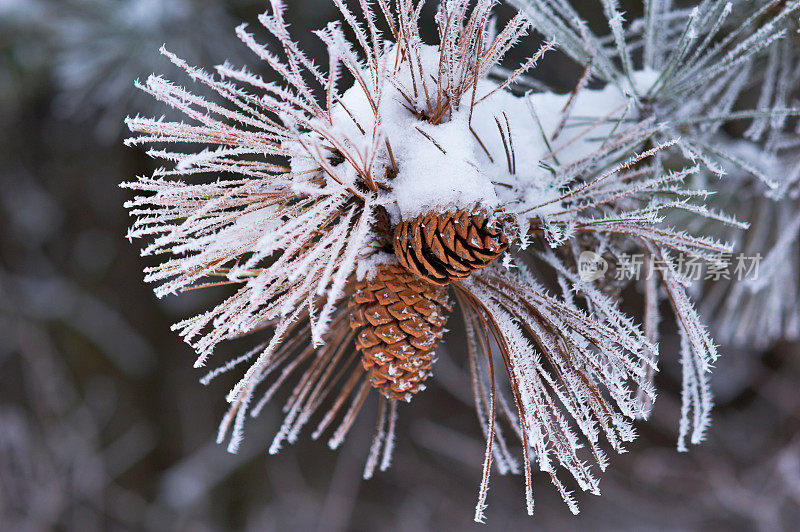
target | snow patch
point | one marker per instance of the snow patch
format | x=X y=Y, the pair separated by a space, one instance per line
x=368 y=266
x=505 y=153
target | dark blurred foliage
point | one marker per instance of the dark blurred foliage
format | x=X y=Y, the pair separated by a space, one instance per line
x=103 y=425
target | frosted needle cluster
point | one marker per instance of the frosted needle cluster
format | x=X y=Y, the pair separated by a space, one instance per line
x=353 y=208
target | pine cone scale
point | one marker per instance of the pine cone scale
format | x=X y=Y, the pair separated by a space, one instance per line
x=378 y=315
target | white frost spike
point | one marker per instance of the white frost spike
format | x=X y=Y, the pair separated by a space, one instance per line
x=698 y=352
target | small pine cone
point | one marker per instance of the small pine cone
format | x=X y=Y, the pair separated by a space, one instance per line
x=398 y=319
x=444 y=247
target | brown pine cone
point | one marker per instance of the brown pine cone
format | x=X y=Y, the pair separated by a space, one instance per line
x=399 y=319
x=444 y=247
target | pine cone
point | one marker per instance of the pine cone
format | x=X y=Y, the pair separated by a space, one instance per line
x=444 y=247
x=399 y=319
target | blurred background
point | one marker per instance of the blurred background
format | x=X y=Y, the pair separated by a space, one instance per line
x=103 y=423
